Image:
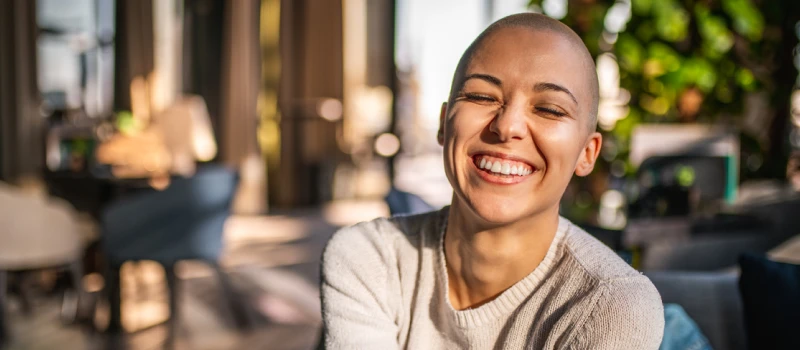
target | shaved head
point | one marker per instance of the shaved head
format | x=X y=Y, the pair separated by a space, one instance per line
x=534 y=22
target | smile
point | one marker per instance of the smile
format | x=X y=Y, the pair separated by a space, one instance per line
x=499 y=166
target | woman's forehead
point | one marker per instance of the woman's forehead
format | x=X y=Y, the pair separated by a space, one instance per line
x=521 y=56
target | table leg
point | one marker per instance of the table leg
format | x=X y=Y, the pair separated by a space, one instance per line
x=4 y=333
x=174 y=310
x=114 y=299
x=235 y=302
x=84 y=310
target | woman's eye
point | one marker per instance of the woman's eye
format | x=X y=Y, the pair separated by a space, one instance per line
x=478 y=98
x=551 y=111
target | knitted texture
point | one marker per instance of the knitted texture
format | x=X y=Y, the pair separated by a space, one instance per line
x=384 y=286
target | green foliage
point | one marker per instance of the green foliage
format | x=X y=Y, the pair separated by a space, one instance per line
x=126 y=123
x=685 y=175
x=671 y=20
x=671 y=48
x=747 y=19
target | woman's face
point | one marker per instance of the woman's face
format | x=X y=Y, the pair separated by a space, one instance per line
x=519 y=126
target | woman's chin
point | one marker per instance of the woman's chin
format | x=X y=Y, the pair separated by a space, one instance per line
x=498 y=214
x=493 y=209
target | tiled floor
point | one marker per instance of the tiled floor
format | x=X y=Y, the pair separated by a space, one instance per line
x=272 y=260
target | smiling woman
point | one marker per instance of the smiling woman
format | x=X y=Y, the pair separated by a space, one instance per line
x=498 y=268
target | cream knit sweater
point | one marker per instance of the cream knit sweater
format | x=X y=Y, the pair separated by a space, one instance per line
x=384 y=286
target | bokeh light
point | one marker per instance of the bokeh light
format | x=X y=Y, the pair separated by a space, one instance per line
x=387 y=144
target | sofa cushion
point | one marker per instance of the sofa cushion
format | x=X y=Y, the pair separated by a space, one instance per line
x=771 y=301
x=711 y=299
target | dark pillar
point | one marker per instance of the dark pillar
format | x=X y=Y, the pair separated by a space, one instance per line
x=133 y=52
x=312 y=59
x=21 y=125
x=202 y=60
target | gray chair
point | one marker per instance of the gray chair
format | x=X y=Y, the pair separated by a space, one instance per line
x=36 y=233
x=711 y=299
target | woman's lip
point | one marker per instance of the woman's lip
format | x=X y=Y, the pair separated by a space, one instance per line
x=504 y=156
x=499 y=179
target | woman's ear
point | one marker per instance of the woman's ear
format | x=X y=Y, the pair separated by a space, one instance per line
x=589 y=154
x=440 y=134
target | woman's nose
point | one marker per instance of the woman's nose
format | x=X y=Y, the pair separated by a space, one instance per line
x=510 y=123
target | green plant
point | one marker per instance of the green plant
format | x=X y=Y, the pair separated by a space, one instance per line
x=695 y=61
x=684 y=61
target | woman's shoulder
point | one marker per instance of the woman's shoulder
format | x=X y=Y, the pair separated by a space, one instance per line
x=596 y=259
x=625 y=301
x=605 y=269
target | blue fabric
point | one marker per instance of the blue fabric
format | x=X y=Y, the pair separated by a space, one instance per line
x=680 y=331
x=406 y=203
x=771 y=298
x=184 y=221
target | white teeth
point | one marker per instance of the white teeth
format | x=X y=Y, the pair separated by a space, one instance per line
x=506 y=169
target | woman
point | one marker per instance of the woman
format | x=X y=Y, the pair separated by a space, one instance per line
x=498 y=268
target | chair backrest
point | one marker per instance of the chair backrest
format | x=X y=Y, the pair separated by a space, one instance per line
x=184 y=221
x=711 y=299
x=401 y=202
x=36 y=231
x=708 y=174
x=674 y=184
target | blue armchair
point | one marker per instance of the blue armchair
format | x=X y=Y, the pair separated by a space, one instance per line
x=401 y=203
x=184 y=221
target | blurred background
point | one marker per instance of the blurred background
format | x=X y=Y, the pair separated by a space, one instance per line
x=170 y=170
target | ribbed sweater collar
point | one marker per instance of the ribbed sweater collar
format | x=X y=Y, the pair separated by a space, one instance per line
x=508 y=301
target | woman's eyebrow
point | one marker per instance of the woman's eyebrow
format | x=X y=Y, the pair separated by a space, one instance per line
x=539 y=87
x=485 y=77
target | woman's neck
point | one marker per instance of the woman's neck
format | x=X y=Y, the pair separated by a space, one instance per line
x=483 y=262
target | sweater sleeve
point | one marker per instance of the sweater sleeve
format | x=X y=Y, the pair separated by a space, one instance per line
x=628 y=314
x=357 y=309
